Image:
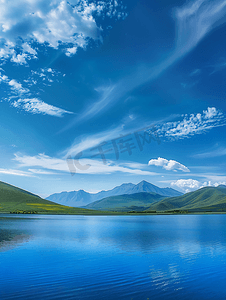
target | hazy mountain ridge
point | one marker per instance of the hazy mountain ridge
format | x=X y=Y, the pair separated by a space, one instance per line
x=81 y=198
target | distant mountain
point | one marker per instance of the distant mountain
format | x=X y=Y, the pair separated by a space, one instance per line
x=125 y=203
x=145 y=186
x=16 y=200
x=81 y=198
x=76 y=199
x=204 y=199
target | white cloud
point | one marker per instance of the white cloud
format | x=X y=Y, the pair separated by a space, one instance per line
x=210 y=183
x=36 y=106
x=124 y=130
x=193 y=124
x=195 y=19
x=219 y=183
x=71 y=51
x=186 y=183
x=19 y=58
x=27 y=49
x=211 y=112
x=170 y=165
x=15 y=172
x=17 y=86
x=55 y=23
x=43 y=76
x=25 y=102
x=29 y=173
x=89 y=142
x=41 y=172
x=81 y=166
x=189 y=126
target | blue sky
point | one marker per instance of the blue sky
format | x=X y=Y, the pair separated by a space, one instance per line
x=98 y=93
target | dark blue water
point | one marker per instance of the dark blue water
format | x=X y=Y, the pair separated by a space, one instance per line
x=113 y=257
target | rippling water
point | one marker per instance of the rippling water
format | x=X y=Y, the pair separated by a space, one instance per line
x=113 y=257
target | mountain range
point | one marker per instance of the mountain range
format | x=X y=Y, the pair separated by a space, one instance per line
x=126 y=203
x=204 y=199
x=207 y=199
x=81 y=198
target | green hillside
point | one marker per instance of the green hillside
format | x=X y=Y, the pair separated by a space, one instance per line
x=204 y=199
x=15 y=200
x=124 y=203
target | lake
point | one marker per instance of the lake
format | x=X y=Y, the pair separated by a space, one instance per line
x=113 y=257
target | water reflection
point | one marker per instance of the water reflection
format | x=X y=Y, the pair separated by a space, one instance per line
x=11 y=238
x=139 y=257
x=186 y=234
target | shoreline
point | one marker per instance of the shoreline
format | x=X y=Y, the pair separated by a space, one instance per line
x=114 y=214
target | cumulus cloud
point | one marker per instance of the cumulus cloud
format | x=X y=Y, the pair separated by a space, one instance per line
x=210 y=183
x=55 y=23
x=193 y=124
x=188 y=185
x=170 y=165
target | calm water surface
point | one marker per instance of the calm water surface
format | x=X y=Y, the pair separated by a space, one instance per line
x=113 y=257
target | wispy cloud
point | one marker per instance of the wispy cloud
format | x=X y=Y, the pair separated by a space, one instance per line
x=56 y=24
x=36 y=106
x=218 y=66
x=95 y=166
x=15 y=172
x=41 y=172
x=28 y=173
x=194 y=21
x=108 y=94
x=195 y=72
x=221 y=151
x=188 y=126
x=16 y=87
x=128 y=129
x=87 y=142
x=19 y=97
x=193 y=124
x=169 y=165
